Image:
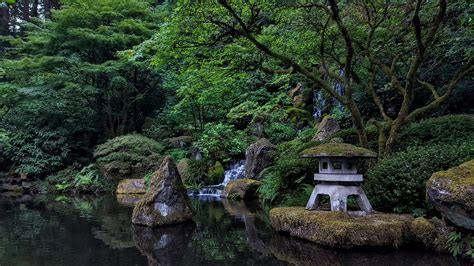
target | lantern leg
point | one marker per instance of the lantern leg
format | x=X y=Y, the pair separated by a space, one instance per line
x=313 y=201
x=363 y=201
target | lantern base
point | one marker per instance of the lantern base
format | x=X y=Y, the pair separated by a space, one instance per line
x=338 y=195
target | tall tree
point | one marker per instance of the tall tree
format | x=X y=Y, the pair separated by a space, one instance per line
x=376 y=45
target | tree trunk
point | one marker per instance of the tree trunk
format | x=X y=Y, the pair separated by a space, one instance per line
x=358 y=123
x=4 y=20
x=25 y=10
x=34 y=9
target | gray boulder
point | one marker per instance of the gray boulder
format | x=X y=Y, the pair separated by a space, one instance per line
x=327 y=127
x=166 y=202
x=452 y=193
x=258 y=156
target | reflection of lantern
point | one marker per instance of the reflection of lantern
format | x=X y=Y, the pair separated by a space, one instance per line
x=338 y=176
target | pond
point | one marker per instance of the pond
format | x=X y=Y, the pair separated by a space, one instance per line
x=97 y=231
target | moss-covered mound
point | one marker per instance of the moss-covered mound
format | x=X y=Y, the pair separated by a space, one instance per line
x=338 y=229
x=433 y=234
x=130 y=156
x=245 y=188
x=337 y=150
x=452 y=193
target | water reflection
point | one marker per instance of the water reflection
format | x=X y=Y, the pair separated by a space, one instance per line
x=98 y=231
x=164 y=246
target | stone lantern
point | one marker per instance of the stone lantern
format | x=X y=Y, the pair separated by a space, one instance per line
x=338 y=176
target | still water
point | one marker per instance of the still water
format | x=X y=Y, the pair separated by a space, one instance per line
x=98 y=231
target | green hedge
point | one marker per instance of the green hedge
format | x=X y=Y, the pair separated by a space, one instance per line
x=450 y=129
x=397 y=183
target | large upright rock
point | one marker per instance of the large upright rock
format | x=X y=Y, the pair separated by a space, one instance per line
x=327 y=127
x=452 y=194
x=166 y=202
x=258 y=156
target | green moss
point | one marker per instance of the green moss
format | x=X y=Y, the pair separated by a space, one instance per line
x=245 y=188
x=457 y=181
x=338 y=229
x=337 y=150
x=215 y=174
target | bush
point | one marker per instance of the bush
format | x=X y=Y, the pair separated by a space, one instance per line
x=197 y=172
x=37 y=152
x=279 y=132
x=215 y=174
x=179 y=153
x=397 y=183
x=350 y=136
x=451 y=129
x=289 y=173
x=87 y=180
x=222 y=142
x=130 y=156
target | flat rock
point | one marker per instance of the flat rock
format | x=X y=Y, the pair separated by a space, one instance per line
x=245 y=188
x=166 y=202
x=131 y=186
x=452 y=193
x=338 y=229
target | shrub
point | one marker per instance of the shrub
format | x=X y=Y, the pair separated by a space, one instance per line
x=343 y=118
x=288 y=173
x=451 y=129
x=130 y=156
x=86 y=180
x=221 y=141
x=279 y=132
x=179 y=153
x=215 y=174
x=197 y=172
x=397 y=183
x=350 y=136
x=37 y=152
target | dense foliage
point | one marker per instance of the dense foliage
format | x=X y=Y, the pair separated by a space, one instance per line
x=99 y=90
x=402 y=177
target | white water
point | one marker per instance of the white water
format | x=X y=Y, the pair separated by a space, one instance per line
x=236 y=171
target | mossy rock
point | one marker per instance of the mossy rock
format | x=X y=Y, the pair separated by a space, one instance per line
x=245 y=188
x=131 y=186
x=338 y=229
x=337 y=150
x=452 y=194
x=130 y=156
x=433 y=234
x=215 y=173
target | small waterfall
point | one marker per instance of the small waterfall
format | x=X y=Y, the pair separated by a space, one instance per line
x=319 y=98
x=236 y=171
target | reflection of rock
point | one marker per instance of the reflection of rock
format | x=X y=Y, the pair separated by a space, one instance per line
x=338 y=229
x=165 y=245
x=258 y=156
x=297 y=252
x=236 y=207
x=131 y=186
x=452 y=194
x=115 y=231
x=166 y=202
x=241 y=189
x=129 y=199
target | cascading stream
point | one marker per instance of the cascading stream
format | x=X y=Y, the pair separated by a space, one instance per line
x=236 y=171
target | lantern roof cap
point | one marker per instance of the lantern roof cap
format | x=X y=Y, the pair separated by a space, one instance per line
x=344 y=150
